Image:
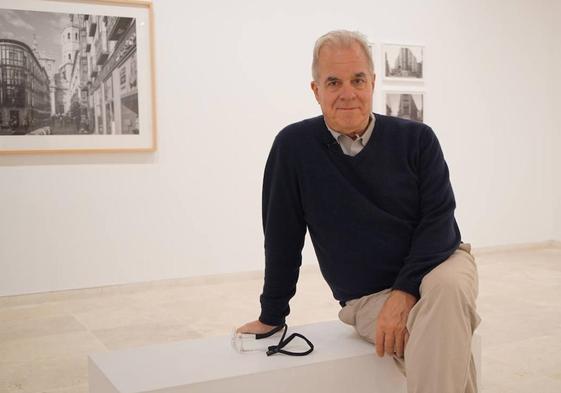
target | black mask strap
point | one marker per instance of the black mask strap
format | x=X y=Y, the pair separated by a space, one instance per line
x=282 y=343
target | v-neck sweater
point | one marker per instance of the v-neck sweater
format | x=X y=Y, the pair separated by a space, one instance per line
x=381 y=219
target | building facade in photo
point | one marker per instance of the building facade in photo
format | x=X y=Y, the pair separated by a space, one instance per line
x=25 y=88
x=49 y=66
x=408 y=108
x=103 y=78
x=407 y=63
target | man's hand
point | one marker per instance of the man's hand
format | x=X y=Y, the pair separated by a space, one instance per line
x=391 y=325
x=255 y=327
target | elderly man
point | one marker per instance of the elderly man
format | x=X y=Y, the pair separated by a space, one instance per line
x=375 y=194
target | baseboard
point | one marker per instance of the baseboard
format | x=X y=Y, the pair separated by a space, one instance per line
x=308 y=268
x=125 y=288
x=516 y=247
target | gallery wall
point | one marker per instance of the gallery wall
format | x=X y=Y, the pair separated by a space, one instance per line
x=229 y=76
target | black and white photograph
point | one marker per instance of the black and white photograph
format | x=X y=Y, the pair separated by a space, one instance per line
x=70 y=74
x=403 y=62
x=406 y=105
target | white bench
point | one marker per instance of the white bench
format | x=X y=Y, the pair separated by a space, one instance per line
x=341 y=361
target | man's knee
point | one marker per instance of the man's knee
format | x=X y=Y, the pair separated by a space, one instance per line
x=453 y=280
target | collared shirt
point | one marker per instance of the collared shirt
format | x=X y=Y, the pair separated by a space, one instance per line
x=350 y=146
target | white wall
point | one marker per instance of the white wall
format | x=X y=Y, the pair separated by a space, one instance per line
x=229 y=76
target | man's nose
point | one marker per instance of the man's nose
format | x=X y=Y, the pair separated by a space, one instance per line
x=347 y=92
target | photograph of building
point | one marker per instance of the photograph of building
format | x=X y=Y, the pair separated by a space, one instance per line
x=405 y=105
x=64 y=74
x=403 y=61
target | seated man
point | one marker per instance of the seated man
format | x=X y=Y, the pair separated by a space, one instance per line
x=375 y=194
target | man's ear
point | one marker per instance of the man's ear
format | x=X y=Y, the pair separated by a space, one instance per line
x=315 y=89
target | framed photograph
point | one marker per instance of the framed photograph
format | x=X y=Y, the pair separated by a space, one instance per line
x=403 y=62
x=76 y=76
x=405 y=104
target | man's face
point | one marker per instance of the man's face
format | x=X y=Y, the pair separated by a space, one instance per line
x=344 y=88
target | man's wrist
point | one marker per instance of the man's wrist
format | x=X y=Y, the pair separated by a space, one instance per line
x=406 y=295
x=407 y=287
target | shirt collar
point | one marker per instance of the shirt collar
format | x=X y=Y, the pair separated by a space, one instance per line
x=365 y=135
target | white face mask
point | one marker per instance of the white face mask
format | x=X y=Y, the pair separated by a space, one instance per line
x=250 y=342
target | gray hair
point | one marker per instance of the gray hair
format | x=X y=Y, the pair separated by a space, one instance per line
x=342 y=39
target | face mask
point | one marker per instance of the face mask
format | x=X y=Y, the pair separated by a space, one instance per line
x=249 y=342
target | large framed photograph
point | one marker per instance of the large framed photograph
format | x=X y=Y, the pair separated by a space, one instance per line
x=403 y=62
x=405 y=104
x=76 y=76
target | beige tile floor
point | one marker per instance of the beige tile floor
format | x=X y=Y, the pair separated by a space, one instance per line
x=45 y=338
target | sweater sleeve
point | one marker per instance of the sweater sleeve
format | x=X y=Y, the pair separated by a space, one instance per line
x=285 y=229
x=437 y=235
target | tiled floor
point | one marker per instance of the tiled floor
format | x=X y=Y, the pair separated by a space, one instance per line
x=45 y=338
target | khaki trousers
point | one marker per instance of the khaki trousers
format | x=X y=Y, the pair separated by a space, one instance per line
x=437 y=357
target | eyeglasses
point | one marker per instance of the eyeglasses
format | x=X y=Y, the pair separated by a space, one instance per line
x=249 y=342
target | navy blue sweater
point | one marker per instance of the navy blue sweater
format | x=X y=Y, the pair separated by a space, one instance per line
x=381 y=219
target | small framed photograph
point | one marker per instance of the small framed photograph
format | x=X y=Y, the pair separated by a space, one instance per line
x=403 y=62
x=76 y=76
x=405 y=104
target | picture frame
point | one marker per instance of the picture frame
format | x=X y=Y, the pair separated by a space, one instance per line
x=77 y=76
x=405 y=104
x=403 y=63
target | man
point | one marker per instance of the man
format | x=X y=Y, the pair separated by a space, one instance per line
x=375 y=194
